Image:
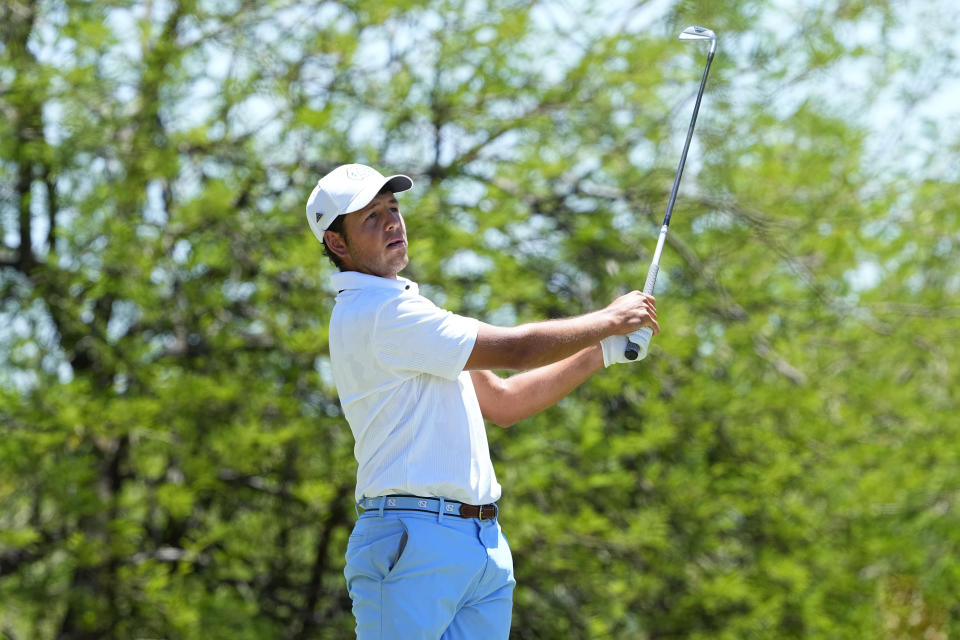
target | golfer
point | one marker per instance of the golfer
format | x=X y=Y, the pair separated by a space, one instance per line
x=427 y=558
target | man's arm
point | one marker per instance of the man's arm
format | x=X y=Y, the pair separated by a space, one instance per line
x=540 y=343
x=507 y=401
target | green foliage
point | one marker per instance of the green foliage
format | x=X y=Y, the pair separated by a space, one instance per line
x=173 y=459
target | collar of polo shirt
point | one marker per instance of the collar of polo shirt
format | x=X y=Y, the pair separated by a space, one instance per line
x=344 y=280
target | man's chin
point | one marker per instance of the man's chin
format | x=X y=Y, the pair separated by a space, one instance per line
x=394 y=266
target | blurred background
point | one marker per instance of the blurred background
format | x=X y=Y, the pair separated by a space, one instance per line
x=785 y=463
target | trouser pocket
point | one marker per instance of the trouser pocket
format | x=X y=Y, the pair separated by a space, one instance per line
x=375 y=548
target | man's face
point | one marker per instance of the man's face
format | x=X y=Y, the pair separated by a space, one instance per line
x=376 y=238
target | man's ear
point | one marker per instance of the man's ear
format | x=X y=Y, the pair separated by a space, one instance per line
x=335 y=243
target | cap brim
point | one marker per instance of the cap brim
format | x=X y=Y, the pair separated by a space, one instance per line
x=396 y=184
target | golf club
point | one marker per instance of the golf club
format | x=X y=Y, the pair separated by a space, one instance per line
x=639 y=341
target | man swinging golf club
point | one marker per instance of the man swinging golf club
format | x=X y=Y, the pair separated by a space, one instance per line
x=427 y=558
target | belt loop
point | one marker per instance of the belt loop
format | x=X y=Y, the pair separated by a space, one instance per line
x=356 y=507
x=383 y=501
x=440 y=511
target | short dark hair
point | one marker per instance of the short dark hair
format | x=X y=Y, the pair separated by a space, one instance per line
x=336 y=226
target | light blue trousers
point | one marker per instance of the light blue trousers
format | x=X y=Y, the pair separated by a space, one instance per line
x=423 y=576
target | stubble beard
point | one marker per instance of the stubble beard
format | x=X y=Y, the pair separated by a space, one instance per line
x=397 y=263
x=387 y=266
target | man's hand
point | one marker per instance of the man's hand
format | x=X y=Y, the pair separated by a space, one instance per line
x=633 y=311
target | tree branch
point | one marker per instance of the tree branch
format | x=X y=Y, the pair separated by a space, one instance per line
x=257 y=483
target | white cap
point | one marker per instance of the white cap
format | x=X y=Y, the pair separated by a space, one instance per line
x=346 y=189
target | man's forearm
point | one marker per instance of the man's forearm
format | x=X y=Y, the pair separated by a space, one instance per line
x=507 y=401
x=538 y=343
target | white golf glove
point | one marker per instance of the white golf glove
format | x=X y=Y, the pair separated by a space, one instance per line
x=614 y=347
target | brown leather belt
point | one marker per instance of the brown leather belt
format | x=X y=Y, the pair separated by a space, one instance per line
x=480 y=512
x=429 y=505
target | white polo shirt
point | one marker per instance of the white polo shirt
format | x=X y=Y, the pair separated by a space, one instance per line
x=398 y=364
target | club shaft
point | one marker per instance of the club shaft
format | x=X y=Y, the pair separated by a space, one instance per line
x=632 y=350
x=686 y=143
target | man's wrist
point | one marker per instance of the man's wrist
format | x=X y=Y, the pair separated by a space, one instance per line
x=606 y=323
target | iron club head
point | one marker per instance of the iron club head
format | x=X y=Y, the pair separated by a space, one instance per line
x=700 y=33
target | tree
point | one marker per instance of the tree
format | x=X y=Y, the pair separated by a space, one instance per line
x=174 y=462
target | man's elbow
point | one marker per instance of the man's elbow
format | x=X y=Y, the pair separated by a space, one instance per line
x=504 y=422
x=500 y=407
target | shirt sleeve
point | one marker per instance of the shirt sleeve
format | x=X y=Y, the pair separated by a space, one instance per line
x=413 y=334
